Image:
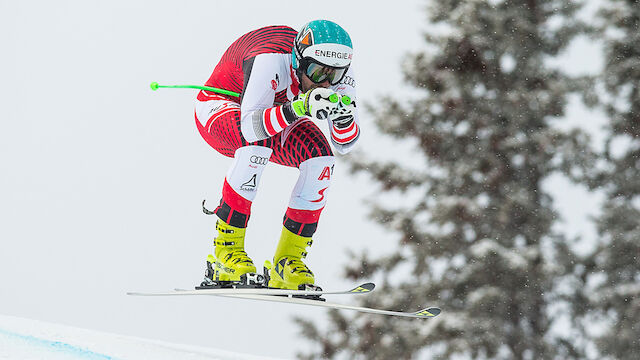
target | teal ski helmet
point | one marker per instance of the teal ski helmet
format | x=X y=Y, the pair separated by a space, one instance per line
x=323 y=51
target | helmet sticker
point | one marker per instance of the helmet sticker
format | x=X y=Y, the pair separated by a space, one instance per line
x=330 y=54
x=305 y=39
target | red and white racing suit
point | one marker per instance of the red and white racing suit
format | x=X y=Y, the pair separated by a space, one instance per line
x=252 y=129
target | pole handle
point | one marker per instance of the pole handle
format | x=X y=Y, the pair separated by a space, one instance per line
x=155 y=86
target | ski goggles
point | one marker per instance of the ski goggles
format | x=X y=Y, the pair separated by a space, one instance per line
x=319 y=73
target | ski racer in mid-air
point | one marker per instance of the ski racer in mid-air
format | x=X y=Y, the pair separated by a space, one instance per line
x=286 y=80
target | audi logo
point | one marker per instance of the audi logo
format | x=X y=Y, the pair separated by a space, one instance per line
x=348 y=80
x=259 y=160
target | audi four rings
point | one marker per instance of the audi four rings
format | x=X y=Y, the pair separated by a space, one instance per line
x=259 y=160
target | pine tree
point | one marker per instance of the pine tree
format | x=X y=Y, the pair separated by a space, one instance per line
x=612 y=283
x=475 y=225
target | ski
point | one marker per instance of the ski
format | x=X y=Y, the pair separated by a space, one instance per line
x=427 y=313
x=300 y=297
x=265 y=291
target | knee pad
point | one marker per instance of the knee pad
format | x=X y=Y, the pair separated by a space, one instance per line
x=312 y=188
x=248 y=164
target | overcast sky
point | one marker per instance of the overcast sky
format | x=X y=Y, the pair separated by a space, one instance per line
x=101 y=179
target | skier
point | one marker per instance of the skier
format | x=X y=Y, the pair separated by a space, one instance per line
x=286 y=80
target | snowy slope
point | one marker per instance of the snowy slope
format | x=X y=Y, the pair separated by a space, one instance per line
x=29 y=339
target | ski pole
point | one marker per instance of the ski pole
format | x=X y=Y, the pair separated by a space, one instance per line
x=155 y=86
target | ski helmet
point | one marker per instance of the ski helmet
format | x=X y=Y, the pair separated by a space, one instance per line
x=324 y=45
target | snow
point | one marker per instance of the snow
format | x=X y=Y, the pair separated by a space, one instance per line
x=508 y=63
x=482 y=294
x=30 y=339
x=620 y=145
x=512 y=258
x=630 y=290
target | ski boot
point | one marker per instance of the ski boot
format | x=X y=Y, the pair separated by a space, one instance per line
x=288 y=271
x=230 y=266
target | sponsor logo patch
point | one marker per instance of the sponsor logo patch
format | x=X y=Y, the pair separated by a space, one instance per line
x=333 y=54
x=258 y=160
x=250 y=185
x=326 y=173
x=275 y=82
x=348 y=80
x=321 y=193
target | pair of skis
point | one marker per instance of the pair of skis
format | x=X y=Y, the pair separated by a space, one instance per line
x=302 y=297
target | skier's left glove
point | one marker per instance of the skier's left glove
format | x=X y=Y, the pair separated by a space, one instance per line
x=343 y=114
x=317 y=103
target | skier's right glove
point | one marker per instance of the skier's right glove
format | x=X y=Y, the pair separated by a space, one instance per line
x=343 y=115
x=317 y=103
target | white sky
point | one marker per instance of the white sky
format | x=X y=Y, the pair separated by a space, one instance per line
x=101 y=179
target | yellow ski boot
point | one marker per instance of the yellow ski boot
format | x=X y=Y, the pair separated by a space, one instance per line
x=230 y=262
x=288 y=271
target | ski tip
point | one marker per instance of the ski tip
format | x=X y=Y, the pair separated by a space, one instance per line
x=428 y=312
x=364 y=288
